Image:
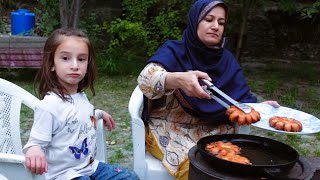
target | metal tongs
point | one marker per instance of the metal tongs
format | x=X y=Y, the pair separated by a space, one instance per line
x=210 y=87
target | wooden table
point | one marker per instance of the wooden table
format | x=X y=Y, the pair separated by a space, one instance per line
x=21 y=51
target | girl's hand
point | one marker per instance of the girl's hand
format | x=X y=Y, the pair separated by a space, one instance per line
x=272 y=103
x=188 y=82
x=36 y=160
x=108 y=120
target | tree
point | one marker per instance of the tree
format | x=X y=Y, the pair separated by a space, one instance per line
x=312 y=11
x=69 y=14
x=246 y=6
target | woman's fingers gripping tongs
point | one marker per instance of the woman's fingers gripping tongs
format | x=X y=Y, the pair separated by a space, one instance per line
x=210 y=87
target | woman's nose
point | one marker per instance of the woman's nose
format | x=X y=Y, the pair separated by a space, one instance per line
x=215 y=25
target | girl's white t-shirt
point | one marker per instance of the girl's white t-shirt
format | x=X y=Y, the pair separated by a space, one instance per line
x=66 y=133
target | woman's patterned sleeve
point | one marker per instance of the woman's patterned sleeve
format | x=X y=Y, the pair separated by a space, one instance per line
x=152 y=81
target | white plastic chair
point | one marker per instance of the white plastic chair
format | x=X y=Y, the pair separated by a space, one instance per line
x=12 y=159
x=145 y=164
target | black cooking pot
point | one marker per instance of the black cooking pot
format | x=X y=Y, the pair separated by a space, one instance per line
x=266 y=155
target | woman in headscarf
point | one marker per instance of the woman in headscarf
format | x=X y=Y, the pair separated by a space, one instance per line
x=177 y=111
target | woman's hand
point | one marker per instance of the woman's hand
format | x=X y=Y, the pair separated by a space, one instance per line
x=272 y=103
x=108 y=120
x=36 y=160
x=188 y=82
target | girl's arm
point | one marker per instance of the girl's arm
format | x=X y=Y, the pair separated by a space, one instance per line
x=40 y=137
x=36 y=160
x=107 y=118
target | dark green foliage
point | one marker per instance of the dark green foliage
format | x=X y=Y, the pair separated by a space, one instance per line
x=142 y=28
x=312 y=11
x=47 y=14
x=9 y=4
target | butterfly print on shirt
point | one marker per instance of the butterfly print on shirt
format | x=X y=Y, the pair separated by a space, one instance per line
x=77 y=152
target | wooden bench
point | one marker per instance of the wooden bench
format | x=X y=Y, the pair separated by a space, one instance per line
x=21 y=51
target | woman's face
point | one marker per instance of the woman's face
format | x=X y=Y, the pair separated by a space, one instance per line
x=211 y=27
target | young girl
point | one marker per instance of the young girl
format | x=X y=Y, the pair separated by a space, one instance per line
x=62 y=141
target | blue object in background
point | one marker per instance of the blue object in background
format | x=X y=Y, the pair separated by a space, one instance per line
x=22 y=22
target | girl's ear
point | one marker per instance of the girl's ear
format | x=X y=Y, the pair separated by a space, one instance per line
x=52 y=69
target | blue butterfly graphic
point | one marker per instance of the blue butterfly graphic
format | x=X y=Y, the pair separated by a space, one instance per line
x=77 y=152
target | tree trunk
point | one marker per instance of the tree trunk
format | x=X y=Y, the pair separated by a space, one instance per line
x=69 y=15
x=245 y=12
x=75 y=13
x=64 y=13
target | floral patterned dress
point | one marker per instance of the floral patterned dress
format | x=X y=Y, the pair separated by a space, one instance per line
x=174 y=130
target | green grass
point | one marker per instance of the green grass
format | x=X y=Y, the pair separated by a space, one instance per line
x=289 y=97
x=118 y=155
x=271 y=85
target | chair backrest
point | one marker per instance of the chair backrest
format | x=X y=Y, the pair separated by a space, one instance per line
x=11 y=98
x=11 y=157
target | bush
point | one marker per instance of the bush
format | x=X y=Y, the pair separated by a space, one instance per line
x=142 y=28
x=48 y=17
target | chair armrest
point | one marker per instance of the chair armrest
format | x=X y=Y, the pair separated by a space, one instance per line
x=135 y=103
x=139 y=148
x=138 y=132
x=101 y=141
x=12 y=166
x=12 y=158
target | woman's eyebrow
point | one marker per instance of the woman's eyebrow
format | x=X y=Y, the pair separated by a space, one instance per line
x=213 y=15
